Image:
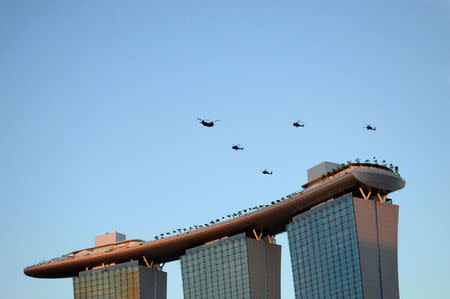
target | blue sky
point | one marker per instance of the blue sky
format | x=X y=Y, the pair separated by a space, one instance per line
x=98 y=132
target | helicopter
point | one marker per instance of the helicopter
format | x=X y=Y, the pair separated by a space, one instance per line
x=369 y=127
x=265 y=171
x=237 y=147
x=207 y=123
x=298 y=123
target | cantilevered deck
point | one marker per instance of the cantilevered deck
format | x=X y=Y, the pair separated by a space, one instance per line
x=270 y=221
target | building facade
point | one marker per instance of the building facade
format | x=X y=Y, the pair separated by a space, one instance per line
x=234 y=267
x=345 y=248
x=124 y=281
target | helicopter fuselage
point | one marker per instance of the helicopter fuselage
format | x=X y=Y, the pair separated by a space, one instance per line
x=207 y=124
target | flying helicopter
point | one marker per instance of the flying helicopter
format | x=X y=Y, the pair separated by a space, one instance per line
x=369 y=127
x=265 y=171
x=207 y=123
x=237 y=147
x=298 y=123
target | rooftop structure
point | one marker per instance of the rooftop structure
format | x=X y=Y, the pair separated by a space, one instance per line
x=109 y=238
x=320 y=169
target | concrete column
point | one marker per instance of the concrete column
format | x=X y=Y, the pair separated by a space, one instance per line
x=377 y=227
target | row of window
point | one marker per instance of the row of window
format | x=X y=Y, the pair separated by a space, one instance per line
x=105 y=285
x=112 y=293
x=215 y=264
x=327 y=228
x=220 y=271
x=218 y=295
x=331 y=247
x=112 y=279
x=332 y=262
x=324 y=221
x=227 y=245
x=225 y=253
x=326 y=270
x=106 y=276
x=218 y=275
x=223 y=259
x=325 y=259
x=324 y=252
x=215 y=288
x=105 y=292
x=330 y=220
x=337 y=294
x=340 y=280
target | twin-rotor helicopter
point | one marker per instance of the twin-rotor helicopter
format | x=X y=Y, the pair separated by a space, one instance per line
x=207 y=123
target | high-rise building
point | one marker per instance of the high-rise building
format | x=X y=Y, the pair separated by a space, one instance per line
x=345 y=248
x=234 y=267
x=125 y=281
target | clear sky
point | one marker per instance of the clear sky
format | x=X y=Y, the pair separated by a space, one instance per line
x=98 y=101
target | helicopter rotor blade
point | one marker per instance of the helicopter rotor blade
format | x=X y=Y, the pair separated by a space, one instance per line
x=215 y=121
